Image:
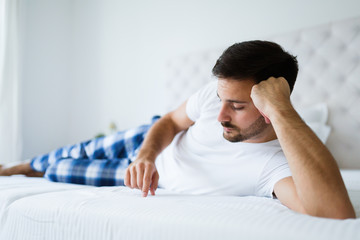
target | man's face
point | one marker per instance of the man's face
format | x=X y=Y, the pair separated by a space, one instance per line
x=241 y=120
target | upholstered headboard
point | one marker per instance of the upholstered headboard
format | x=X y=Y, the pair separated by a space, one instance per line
x=329 y=61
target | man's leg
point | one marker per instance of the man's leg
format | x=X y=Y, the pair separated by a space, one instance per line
x=23 y=168
x=107 y=160
x=39 y=164
x=118 y=145
x=96 y=172
x=122 y=147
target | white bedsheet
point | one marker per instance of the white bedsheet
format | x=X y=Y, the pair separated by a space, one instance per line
x=33 y=208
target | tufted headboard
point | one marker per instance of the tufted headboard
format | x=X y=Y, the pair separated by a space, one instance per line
x=329 y=62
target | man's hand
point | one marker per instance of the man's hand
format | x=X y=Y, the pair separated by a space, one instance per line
x=271 y=95
x=142 y=174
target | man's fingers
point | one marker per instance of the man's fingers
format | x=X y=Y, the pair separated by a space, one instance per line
x=140 y=174
x=133 y=177
x=154 y=184
x=127 y=178
x=147 y=181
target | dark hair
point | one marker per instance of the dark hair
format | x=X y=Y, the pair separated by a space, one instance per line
x=257 y=60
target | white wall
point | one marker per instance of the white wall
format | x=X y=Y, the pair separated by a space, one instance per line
x=60 y=73
x=86 y=63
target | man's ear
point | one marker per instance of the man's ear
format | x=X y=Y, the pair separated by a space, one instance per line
x=267 y=120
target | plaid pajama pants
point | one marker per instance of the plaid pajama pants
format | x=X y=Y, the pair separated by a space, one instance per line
x=98 y=162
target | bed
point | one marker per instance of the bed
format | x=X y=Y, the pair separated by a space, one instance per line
x=38 y=209
x=34 y=208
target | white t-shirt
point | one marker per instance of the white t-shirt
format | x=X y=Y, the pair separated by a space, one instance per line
x=201 y=161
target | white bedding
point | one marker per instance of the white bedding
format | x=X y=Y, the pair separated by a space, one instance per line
x=34 y=208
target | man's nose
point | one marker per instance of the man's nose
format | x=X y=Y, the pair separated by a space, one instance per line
x=224 y=115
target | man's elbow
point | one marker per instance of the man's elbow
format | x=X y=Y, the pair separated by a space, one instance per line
x=342 y=212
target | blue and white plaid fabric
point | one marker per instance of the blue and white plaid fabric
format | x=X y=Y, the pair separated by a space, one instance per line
x=99 y=162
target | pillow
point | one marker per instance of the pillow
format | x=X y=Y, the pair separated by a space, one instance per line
x=316 y=113
x=315 y=117
x=322 y=131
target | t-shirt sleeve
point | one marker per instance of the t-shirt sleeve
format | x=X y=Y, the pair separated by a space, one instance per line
x=275 y=169
x=198 y=100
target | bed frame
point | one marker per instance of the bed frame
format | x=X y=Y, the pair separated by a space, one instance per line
x=34 y=208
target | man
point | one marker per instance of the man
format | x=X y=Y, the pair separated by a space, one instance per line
x=229 y=138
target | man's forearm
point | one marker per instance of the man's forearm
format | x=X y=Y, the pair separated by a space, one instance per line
x=158 y=138
x=316 y=175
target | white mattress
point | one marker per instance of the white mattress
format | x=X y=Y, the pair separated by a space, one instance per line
x=33 y=208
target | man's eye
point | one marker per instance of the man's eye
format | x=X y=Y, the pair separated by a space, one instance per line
x=237 y=108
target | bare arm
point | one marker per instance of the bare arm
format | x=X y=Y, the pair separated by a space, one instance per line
x=142 y=173
x=316 y=187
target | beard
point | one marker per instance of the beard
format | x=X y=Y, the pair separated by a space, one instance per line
x=239 y=135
